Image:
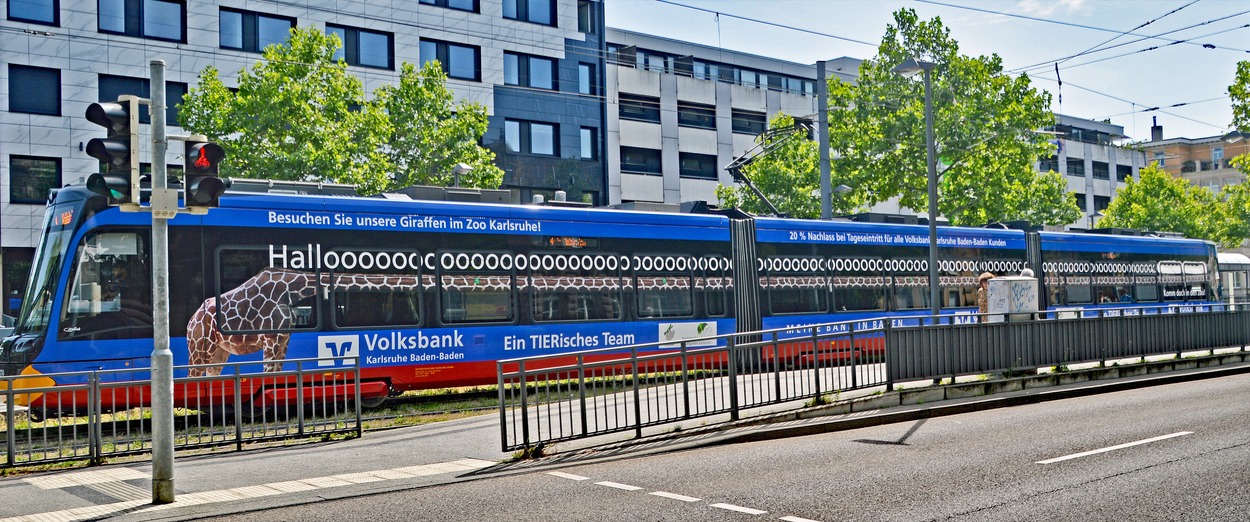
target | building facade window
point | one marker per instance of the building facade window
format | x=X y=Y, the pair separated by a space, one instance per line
x=252 y=32
x=745 y=122
x=641 y=161
x=110 y=87
x=1101 y=170
x=1076 y=167
x=529 y=71
x=363 y=47
x=1048 y=164
x=586 y=78
x=640 y=108
x=533 y=11
x=1123 y=172
x=463 y=5
x=34 y=90
x=589 y=143
x=30 y=178
x=1159 y=159
x=458 y=61
x=1217 y=156
x=700 y=166
x=696 y=115
x=47 y=12
x=155 y=19
x=585 y=17
x=528 y=137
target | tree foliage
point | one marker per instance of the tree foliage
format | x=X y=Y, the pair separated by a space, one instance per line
x=299 y=115
x=1239 y=92
x=1161 y=202
x=984 y=123
x=788 y=174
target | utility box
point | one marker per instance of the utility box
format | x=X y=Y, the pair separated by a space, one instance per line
x=1013 y=295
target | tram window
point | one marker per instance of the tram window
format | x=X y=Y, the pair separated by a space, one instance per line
x=664 y=296
x=959 y=296
x=794 y=294
x=1078 y=290
x=713 y=288
x=911 y=292
x=388 y=308
x=111 y=292
x=859 y=298
x=1147 y=293
x=476 y=298
x=279 y=299
x=1111 y=285
x=575 y=294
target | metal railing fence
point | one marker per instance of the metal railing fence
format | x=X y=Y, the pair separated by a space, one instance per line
x=565 y=397
x=570 y=396
x=107 y=412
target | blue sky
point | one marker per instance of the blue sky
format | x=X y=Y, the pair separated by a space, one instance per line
x=1120 y=83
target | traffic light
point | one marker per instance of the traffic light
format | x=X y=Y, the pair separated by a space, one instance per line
x=119 y=151
x=201 y=186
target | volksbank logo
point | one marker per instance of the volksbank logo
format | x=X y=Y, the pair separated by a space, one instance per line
x=330 y=346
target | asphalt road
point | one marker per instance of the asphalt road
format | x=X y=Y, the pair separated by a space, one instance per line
x=1173 y=452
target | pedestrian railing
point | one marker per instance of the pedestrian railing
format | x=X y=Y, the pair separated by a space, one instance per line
x=571 y=396
x=106 y=413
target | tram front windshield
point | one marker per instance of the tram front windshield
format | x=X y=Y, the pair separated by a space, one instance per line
x=37 y=303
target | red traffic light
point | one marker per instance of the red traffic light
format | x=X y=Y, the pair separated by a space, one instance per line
x=204 y=156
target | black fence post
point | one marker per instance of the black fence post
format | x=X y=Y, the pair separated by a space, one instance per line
x=816 y=367
x=854 y=357
x=637 y=394
x=887 y=333
x=581 y=392
x=525 y=417
x=94 y=403
x=733 y=379
x=685 y=379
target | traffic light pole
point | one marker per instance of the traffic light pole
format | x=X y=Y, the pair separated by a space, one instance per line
x=162 y=366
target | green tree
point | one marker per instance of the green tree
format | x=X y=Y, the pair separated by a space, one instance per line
x=984 y=128
x=788 y=174
x=299 y=115
x=1161 y=202
x=1239 y=92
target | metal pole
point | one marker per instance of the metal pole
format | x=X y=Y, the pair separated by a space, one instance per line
x=935 y=284
x=162 y=358
x=822 y=121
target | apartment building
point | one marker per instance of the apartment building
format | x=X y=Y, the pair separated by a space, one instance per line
x=678 y=112
x=1205 y=161
x=536 y=65
x=1088 y=156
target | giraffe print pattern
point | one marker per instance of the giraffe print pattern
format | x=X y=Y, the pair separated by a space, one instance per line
x=264 y=304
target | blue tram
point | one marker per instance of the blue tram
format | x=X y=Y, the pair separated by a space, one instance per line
x=431 y=294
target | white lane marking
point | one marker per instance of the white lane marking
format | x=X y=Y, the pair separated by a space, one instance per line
x=798 y=519
x=618 y=485
x=675 y=496
x=739 y=509
x=1113 y=448
x=569 y=476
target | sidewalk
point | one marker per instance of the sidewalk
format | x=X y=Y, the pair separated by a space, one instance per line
x=465 y=449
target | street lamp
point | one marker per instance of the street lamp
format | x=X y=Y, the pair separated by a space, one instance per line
x=1097 y=214
x=456 y=171
x=909 y=68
